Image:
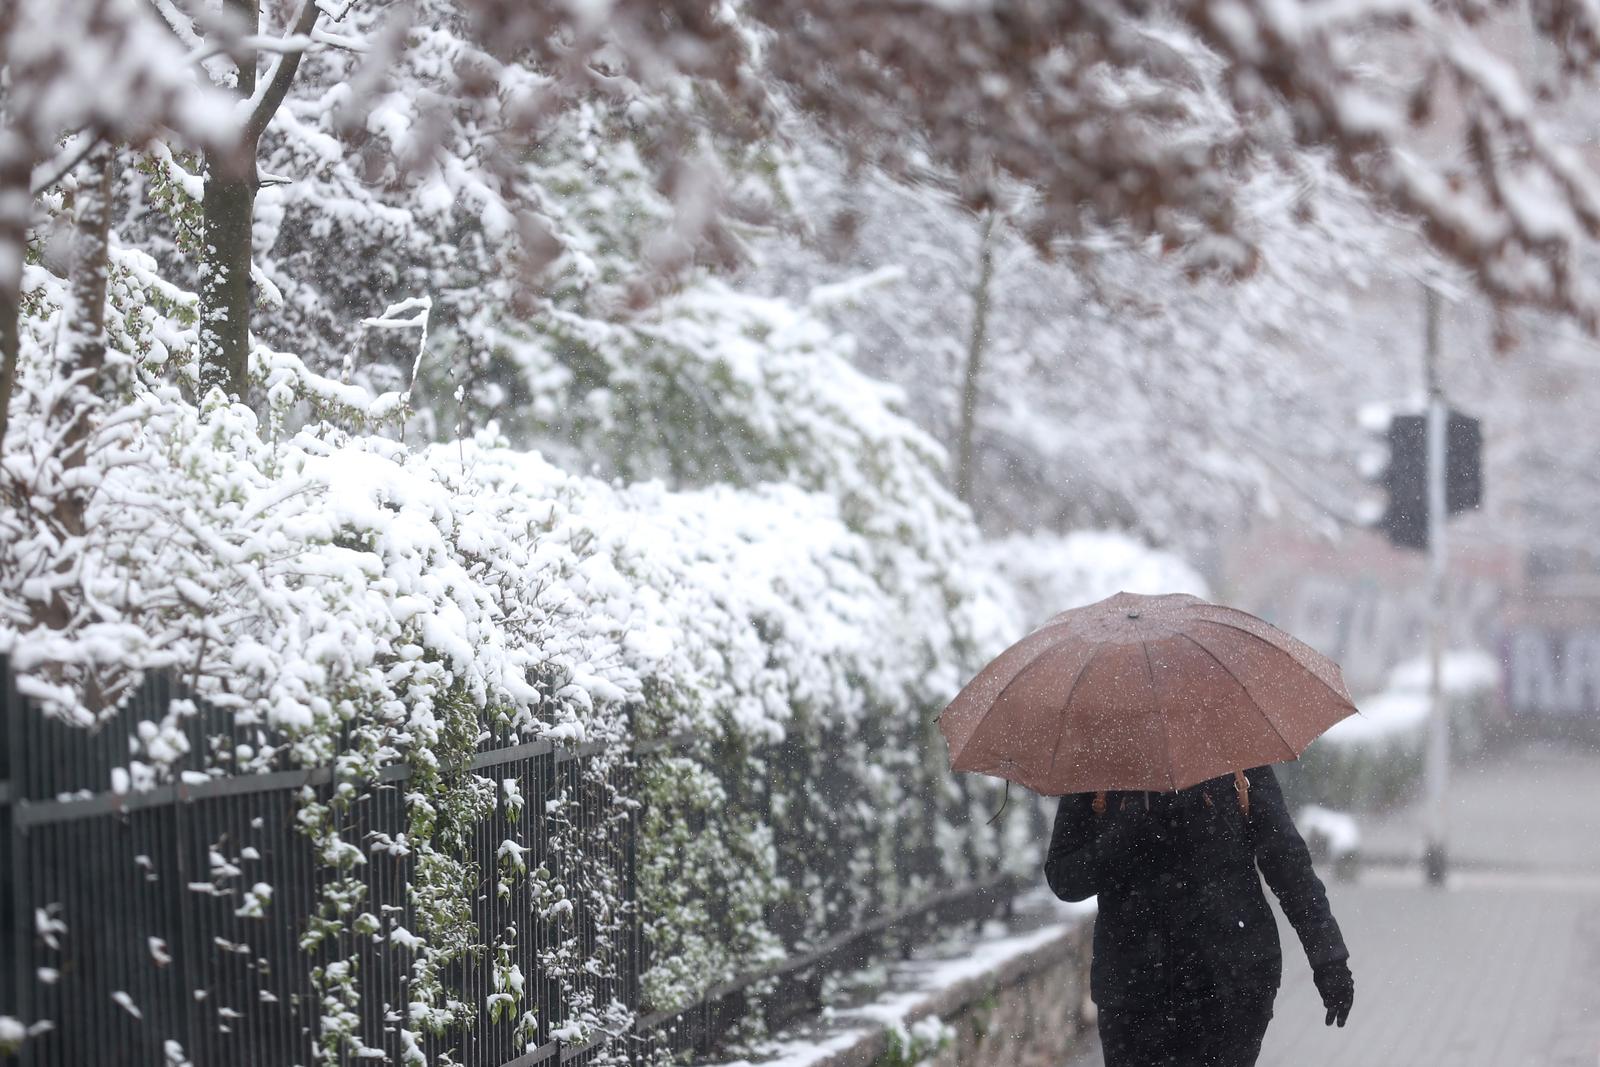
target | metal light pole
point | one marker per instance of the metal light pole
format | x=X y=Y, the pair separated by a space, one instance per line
x=1437 y=761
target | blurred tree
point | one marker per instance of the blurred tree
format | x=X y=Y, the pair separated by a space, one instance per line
x=521 y=168
x=977 y=341
x=1095 y=107
x=1115 y=386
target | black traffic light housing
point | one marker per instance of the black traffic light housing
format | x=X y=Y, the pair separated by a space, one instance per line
x=1405 y=520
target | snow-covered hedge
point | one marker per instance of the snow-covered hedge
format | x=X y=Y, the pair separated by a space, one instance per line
x=743 y=549
x=361 y=601
x=1050 y=572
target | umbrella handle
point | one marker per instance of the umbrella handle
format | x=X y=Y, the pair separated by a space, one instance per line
x=1099 y=804
x=1003 y=802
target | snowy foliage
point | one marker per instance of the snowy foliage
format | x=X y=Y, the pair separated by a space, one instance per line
x=1110 y=385
x=1398 y=714
x=1133 y=137
x=1050 y=573
x=360 y=601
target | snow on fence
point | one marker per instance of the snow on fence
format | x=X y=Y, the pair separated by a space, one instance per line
x=177 y=922
x=168 y=925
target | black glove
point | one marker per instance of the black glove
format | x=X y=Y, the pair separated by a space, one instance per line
x=1338 y=988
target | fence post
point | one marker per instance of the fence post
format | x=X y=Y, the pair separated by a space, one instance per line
x=633 y=987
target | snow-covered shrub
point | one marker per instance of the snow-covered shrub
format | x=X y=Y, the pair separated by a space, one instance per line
x=825 y=533
x=1331 y=837
x=628 y=361
x=359 y=601
x=1052 y=572
x=1374 y=759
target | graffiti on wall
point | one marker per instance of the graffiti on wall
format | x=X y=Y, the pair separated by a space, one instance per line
x=1365 y=603
x=1553 y=673
x=1369 y=626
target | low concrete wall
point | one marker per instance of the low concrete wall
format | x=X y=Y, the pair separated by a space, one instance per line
x=1031 y=1009
x=1032 y=1012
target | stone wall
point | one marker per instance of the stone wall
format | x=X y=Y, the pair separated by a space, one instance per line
x=996 y=999
x=1033 y=1011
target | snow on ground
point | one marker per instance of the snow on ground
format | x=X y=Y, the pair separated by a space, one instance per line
x=1337 y=830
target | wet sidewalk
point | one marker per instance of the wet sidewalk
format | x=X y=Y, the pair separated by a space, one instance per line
x=1537 y=809
x=1490 y=972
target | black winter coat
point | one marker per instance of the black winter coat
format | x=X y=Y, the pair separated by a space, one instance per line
x=1181 y=912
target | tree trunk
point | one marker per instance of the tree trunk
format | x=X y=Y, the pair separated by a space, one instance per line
x=225 y=294
x=228 y=209
x=967 y=418
x=83 y=360
x=10 y=343
x=971 y=379
x=15 y=204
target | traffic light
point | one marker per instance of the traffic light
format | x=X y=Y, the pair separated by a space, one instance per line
x=1402 y=471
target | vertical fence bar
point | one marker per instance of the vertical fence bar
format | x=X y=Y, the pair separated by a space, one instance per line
x=14 y=983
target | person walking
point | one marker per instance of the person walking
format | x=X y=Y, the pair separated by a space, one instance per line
x=1186 y=956
x=1164 y=698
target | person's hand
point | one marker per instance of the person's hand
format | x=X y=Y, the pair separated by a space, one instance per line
x=1338 y=988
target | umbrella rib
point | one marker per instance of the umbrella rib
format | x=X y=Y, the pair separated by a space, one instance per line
x=1293 y=645
x=1298 y=662
x=1066 y=707
x=1015 y=678
x=1166 y=724
x=1246 y=691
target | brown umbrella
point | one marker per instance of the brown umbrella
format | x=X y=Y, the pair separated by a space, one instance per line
x=1143 y=692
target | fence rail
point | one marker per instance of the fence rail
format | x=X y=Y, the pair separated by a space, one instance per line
x=126 y=917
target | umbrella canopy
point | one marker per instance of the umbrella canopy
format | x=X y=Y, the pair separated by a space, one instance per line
x=1143 y=692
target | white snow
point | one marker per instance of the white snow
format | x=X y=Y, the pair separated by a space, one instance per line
x=1401 y=710
x=47 y=927
x=1390 y=715
x=1337 y=829
x=405 y=938
x=1054 y=572
x=1461 y=671
x=125 y=1002
x=854 y=289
